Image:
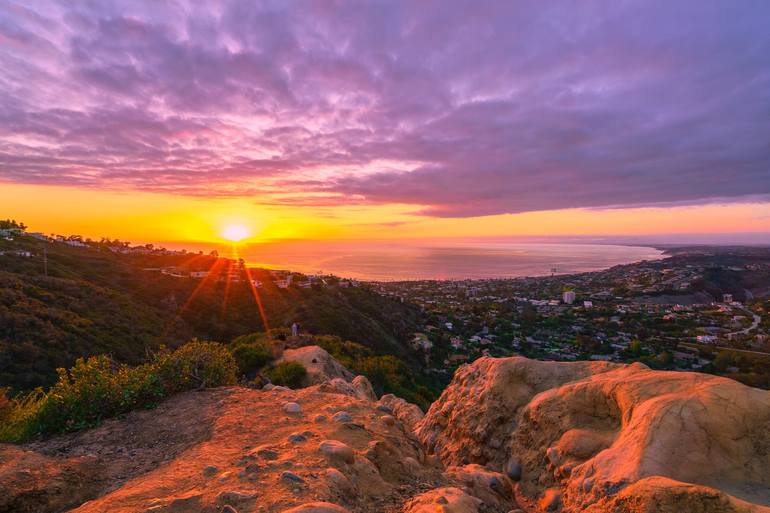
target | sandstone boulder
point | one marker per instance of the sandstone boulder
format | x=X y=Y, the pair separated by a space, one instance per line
x=320 y=365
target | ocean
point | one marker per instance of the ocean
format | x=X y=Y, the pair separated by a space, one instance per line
x=397 y=261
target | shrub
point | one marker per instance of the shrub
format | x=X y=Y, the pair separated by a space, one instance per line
x=288 y=374
x=96 y=388
x=196 y=365
x=250 y=358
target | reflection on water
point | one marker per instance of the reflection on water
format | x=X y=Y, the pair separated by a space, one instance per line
x=382 y=261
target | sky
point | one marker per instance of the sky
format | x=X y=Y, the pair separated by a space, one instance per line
x=357 y=120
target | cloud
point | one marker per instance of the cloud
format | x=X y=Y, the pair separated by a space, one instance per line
x=458 y=108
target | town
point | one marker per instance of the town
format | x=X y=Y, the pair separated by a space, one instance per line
x=700 y=309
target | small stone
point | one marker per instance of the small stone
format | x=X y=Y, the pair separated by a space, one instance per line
x=291 y=476
x=266 y=453
x=268 y=387
x=234 y=497
x=385 y=409
x=228 y=509
x=388 y=420
x=319 y=419
x=337 y=452
x=513 y=469
x=209 y=470
x=292 y=408
x=297 y=438
x=553 y=455
x=342 y=416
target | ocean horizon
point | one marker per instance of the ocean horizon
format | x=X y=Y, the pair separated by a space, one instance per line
x=480 y=260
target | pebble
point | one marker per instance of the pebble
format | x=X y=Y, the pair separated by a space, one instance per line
x=342 y=416
x=385 y=409
x=388 y=420
x=319 y=419
x=291 y=476
x=230 y=496
x=292 y=408
x=513 y=469
x=297 y=437
x=209 y=470
x=228 y=509
x=337 y=451
x=267 y=454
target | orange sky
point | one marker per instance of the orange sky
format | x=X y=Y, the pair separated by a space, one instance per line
x=161 y=218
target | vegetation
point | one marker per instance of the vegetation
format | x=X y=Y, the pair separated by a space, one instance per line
x=97 y=301
x=288 y=374
x=97 y=388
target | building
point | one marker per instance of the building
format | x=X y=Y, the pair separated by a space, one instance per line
x=198 y=274
x=588 y=304
x=727 y=298
x=568 y=296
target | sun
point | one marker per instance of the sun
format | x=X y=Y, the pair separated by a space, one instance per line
x=235 y=232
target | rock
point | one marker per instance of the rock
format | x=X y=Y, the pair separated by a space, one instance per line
x=320 y=365
x=235 y=497
x=337 y=452
x=297 y=438
x=443 y=500
x=319 y=419
x=228 y=509
x=293 y=408
x=317 y=507
x=266 y=453
x=409 y=414
x=341 y=417
x=291 y=476
x=364 y=389
x=513 y=469
x=339 y=480
x=551 y=500
x=493 y=488
x=209 y=470
x=598 y=437
x=268 y=386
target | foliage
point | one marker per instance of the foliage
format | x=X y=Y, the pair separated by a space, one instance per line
x=97 y=301
x=251 y=352
x=288 y=374
x=97 y=388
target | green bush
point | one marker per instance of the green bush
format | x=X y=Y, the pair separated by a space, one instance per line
x=251 y=352
x=96 y=388
x=196 y=365
x=288 y=374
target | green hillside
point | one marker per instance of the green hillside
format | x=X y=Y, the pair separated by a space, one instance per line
x=95 y=301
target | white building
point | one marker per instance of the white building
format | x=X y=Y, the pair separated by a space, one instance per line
x=588 y=304
x=568 y=296
x=727 y=298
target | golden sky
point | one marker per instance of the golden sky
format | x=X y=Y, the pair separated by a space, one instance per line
x=163 y=218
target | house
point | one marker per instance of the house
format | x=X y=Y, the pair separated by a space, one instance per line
x=568 y=296
x=198 y=274
x=706 y=339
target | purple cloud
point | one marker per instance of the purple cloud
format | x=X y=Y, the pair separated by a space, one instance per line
x=459 y=108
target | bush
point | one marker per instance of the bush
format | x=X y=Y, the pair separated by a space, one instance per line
x=251 y=353
x=96 y=388
x=288 y=374
x=196 y=365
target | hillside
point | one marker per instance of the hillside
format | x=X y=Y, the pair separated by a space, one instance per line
x=507 y=435
x=94 y=300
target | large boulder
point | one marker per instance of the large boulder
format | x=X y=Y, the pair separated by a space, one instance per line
x=320 y=365
x=606 y=436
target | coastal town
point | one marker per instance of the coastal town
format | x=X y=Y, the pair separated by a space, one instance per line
x=699 y=309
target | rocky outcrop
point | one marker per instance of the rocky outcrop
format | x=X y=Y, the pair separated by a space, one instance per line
x=601 y=437
x=320 y=365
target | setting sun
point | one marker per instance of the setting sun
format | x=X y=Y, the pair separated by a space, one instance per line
x=235 y=232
